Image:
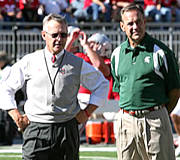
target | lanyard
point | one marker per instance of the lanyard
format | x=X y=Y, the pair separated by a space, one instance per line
x=49 y=75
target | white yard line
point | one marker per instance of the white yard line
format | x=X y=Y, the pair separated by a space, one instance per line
x=10 y=151
x=11 y=156
x=18 y=149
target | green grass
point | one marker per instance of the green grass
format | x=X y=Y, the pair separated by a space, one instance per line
x=99 y=154
x=10 y=156
x=83 y=155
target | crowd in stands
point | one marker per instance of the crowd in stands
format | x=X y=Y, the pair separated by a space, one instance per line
x=86 y=10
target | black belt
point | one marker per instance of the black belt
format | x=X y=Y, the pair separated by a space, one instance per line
x=143 y=112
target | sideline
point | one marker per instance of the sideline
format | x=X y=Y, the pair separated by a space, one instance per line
x=98 y=149
x=95 y=158
x=81 y=157
x=83 y=148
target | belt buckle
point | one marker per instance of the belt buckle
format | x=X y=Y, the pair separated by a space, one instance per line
x=141 y=113
x=146 y=111
x=136 y=113
x=156 y=108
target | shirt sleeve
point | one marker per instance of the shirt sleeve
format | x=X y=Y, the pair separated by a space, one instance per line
x=93 y=80
x=14 y=81
x=114 y=69
x=169 y=68
x=5 y=73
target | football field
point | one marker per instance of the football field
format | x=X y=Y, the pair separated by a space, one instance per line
x=87 y=152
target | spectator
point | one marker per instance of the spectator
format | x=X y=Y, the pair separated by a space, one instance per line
x=58 y=7
x=100 y=6
x=117 y=5
x=157 y=11
x=176 y=10
x=52 y=112
x=11 y=11
x=147 y=79
x=79 y=11
x=29 y=9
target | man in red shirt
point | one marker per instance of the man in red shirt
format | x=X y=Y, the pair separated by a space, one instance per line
x=11 y=11
x=29 y=9
x=157 y=11
x=97 y=52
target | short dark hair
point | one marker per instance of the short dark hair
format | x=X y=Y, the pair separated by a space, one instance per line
x=132 y=6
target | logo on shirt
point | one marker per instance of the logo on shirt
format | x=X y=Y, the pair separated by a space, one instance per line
x=147 y=59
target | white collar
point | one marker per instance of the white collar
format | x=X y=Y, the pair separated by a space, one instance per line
x=49 y=54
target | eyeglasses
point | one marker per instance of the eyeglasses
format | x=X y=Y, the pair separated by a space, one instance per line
x=55 y=35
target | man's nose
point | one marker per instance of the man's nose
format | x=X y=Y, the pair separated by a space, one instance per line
x=135 y=25
x=59 y=37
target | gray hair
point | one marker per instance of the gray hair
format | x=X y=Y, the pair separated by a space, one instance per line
x=132 y=6
x=55 y=17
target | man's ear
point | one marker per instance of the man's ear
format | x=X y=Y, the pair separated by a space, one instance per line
x=43 y=34
x=122 y=26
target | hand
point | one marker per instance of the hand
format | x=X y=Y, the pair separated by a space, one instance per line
x=71 y=38
x=103 y=8
x=83 y=39
x=21 y=121
x=74 y=49
x=74 y=34
x=81 y=117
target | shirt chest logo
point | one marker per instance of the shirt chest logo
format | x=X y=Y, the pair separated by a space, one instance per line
x=147 y=59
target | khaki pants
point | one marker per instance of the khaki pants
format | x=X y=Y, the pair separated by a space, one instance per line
x=146 y=138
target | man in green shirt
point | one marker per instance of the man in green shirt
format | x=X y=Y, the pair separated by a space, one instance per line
x=147 y=78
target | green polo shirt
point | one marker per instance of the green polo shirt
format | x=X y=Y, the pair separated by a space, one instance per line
x=144 y=75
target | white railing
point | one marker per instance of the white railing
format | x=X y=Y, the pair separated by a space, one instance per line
x=17 y=42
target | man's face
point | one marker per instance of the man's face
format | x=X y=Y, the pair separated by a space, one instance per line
x=133 y=24
x=55 y=35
